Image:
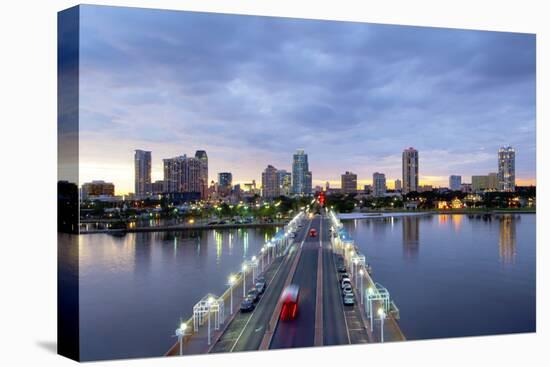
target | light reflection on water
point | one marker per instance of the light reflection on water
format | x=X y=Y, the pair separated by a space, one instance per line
x=142 y=283
x=441 y=268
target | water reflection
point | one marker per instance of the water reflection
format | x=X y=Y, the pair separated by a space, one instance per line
x=411 y=236
x=507 y=239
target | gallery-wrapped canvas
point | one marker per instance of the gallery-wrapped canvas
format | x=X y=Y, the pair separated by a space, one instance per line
x=239 y=183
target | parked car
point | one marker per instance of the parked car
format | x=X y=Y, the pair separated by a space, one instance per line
x=347 y=290
x=260 y=286
x=344 y=276
x=247 y=305
x=341 y=268
x=254 y=295
x=345 y=282
x=349 y=299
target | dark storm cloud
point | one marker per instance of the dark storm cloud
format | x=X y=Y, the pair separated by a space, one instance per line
x=346 y=92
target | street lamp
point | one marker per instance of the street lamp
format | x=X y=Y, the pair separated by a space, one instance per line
x=370 y=291
x=244 y=280
x=382 y=315
x=254 y=267
x=361 y=272
x=210 y=301
x=355 y=270
x=232 y=280
x=180 y=333
x=262 y=250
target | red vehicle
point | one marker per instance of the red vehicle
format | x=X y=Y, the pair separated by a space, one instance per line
x=290 y=297
x=312 y=232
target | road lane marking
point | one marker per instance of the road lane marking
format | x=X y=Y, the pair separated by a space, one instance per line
x=268 y=336
x=318 y=338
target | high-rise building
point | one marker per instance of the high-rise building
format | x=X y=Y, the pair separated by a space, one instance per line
x=485 y=182
x=410 y=170
x=142 y=172
x=285 y=182
x=397 y=185
x=301 y=176
x=455 y=182
x=97 y=188
x=506 y=169
x=225 y=183
x=182 y=174
x=203 y=159
x=157 y=187
x=270 y=182
x=349 y=183
x=378 y=184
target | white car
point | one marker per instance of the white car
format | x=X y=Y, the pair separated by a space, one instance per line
x=346 y=282
x=349 y=299
x=347 y=290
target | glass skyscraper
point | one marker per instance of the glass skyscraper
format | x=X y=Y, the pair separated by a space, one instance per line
x=301 y=175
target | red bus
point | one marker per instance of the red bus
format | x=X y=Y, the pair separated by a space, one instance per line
x=290 y=297
x=312 y=232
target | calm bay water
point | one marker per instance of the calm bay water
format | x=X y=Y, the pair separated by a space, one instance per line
x=134 y=289
x=452 y=275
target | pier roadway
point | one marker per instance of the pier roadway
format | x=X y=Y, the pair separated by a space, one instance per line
x=322 y=318
x=246 y=331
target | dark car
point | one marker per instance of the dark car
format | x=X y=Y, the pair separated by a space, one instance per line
x=254 y=295
x=260 y=286
x=344 y=276
x=247 y=305
x=341 y=268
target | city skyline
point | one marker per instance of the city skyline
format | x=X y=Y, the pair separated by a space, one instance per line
x=352 y=95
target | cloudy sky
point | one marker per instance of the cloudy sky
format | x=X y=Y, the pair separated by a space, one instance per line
x=252 y=90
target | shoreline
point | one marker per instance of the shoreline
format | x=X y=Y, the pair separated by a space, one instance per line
x=181 y=227
x=398 y=214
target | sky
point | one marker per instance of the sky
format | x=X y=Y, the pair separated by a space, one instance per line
x=252 y=90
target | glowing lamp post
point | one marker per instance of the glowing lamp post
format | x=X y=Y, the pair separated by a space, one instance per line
x=382 y=315
x=180 y=333
x=232 y=280
x=210 y=301
x=361 y=272
x=355 y=270
x=254 y=264
x=262 y=259
x=370 y=291
x=244 y=279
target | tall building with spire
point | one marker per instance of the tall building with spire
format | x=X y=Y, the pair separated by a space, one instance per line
x=410 y=170
x=142 y=172
x=301 y=175
x=506 y=169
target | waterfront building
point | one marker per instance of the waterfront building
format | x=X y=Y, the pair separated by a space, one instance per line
x=506 y=169
x=270 y=182
x=397 y=185
x=378 y=184
x=485 y=182
x=367 y=189
x=454 y=182
x=327 y=186
x=349 y=183
x=142 y=172
x=410 y=170
x=97 y=188
x=182 y=174
x=284 y=182
x=157 y=187
x=301 y=175
x=203 y=159
x=466 y=187
x=225 y=183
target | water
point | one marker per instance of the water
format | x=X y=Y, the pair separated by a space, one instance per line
x=452 y=275
x=134 y=289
